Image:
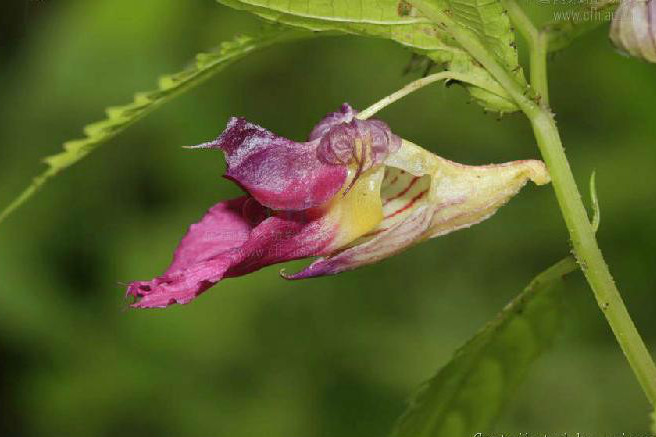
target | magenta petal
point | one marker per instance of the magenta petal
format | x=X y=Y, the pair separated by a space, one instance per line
x=280 y=239
x=225 y=226
x=228 y=242
x=279 y=173
x=184 y=285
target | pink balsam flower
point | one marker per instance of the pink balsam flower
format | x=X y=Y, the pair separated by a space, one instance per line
x=352 y=195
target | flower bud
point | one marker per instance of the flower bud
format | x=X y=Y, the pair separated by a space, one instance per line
x=633 y=29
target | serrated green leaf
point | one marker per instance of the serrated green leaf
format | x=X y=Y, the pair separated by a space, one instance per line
x=169 y=86
x=467 y=395
x=488 y=20
x=574 y=22
x=397 y=20
x=368 y=17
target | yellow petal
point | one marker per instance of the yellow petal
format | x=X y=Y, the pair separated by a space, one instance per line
x=360 y=210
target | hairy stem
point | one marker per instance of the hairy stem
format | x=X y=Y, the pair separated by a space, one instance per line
x=538 y=61
x=582 y=234
x=520 y=20
x=538 y=43
x=589 y=255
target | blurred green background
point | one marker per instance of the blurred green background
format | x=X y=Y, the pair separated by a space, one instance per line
x=258 y=355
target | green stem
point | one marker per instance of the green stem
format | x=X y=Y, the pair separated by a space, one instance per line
x=582 y=234
x=409 y=88
x=538 y=56
x=414 y=86
x=589 y=255
x=538 y=43
x=520 y=20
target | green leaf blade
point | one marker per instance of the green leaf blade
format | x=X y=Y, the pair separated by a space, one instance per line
x=169 y=86
x=488 y=20
x=381 y=20
x=469 y=392
x=399 y=21
x=374 y=12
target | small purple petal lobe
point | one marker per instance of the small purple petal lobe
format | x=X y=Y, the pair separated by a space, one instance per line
x=344 y=115
x=365 y=143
